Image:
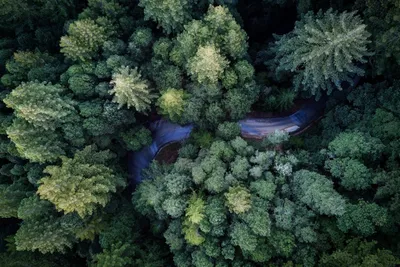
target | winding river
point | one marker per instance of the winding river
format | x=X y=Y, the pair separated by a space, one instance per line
x=165 y=132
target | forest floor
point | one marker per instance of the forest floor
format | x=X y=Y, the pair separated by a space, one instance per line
x=169 y=153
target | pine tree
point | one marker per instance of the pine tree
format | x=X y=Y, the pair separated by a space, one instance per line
x=323 y=51
x=84 y=39
x=382 y=17
x=131 y=90
x=119 y=255
x=208 y=65
x=39 y=216
x=171 y=15
x=41 y=104
x=81 y=183
x=36 y=143
x=10 y=198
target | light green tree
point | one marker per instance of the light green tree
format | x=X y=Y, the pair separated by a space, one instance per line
x=35 y=143
x=208 y=65
x=171 y=15
x=195 y=213
x=172 y=103
x=81 y=184
x=84 y=40
x=41 y=104
x=131 y=90
x=230 y=40
x=238 y=199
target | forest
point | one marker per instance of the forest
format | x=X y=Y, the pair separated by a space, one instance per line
x=81 y=81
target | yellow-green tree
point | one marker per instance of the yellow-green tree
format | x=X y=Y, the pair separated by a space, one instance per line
x=82 y=183
x=84 y=40
x=41 y=104
x=131 y=90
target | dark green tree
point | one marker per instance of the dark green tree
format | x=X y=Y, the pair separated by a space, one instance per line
x=360 y=253
x=316 y=191
x=323 y=51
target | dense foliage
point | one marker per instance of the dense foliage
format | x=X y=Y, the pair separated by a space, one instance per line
x=81 y=80
x=323 y=50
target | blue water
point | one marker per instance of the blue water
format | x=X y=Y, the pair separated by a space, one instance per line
x=165 y=132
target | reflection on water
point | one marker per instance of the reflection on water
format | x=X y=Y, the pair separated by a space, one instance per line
x=165 y=132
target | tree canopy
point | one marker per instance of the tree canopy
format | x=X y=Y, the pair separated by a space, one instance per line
x=288 y=113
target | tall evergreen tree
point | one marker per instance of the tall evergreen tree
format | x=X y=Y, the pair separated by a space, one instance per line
x=82 y=183
x=84 y=40
x=41 y=104
x=323 y=50
x=131 y=90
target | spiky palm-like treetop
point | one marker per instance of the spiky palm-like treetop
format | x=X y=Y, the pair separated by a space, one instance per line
x=131 y=90
x=323 y=50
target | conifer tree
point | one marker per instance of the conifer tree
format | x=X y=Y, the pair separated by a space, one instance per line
x=84 y=39
x=171 y=15
x=35 y=143
x=41 y=104
x=39 y=216
x=10 y=198
x=119 y=255
x=80 y=184
x=27 y=66
x=323 y=50
x=131 y=90
x=382 y=18
x=208 y=65
x=55 y=235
